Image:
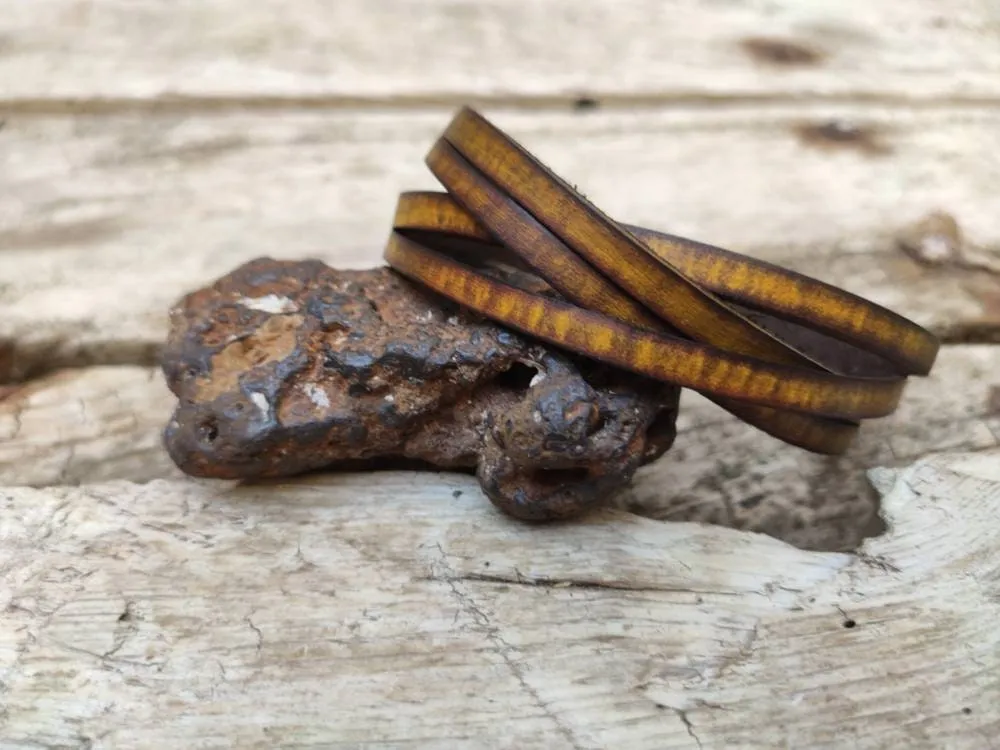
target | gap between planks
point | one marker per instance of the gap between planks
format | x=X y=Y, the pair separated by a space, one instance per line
x=583 y=103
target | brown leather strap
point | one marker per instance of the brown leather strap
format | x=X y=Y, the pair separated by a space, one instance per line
x=642 y=296
x=754 y=283
x=686 y=363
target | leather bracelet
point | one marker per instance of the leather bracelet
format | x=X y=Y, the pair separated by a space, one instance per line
x=436 y=217
x=755 y=338
x=583 y=285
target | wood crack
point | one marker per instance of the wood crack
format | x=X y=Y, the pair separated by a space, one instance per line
x=585 y=584
x=501 y=646
x=257 y=632
x=687 y=725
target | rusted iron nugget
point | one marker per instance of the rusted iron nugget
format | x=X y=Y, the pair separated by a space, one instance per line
x=285 y=367
x=616 y=319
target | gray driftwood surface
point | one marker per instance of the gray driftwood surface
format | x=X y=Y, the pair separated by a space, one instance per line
x=741 y=594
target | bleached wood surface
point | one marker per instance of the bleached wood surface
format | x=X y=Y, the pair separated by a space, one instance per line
x=147 y=147
x=106 y=221
x=426 y=51
x=343 y=612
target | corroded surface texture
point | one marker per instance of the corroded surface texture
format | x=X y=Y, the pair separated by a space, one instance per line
x=285 y=367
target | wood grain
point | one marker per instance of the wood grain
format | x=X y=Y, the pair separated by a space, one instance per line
x=341 y=611
x=107 y=221
x=187 y=53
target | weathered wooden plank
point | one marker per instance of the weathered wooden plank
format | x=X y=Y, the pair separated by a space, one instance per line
x=89 y=425
x=104 y=423
x=302 y=615
x=434 y=50
x=105 y=221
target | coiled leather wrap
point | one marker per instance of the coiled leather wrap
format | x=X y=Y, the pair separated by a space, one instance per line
x=800 y=359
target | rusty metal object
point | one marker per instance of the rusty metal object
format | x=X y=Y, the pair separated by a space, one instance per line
x=286 y=367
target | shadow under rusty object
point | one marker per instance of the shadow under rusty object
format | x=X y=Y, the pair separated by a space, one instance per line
x=286 y=367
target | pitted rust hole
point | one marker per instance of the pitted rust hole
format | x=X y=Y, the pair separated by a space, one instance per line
x=598 y=422
x=783 y=53
x=585 y=104
x=208 y=430
x=517 y=377
x=841 y=134
x=663 y=426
